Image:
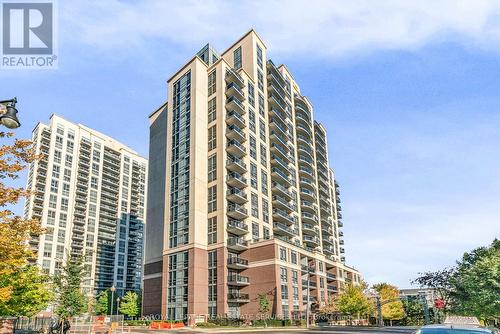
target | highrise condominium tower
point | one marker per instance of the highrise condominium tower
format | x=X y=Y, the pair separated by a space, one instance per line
x=242 y=200
x=90 y=195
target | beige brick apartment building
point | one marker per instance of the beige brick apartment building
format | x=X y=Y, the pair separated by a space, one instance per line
x=241 y=198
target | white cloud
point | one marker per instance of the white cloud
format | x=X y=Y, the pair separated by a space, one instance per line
x=324 y=28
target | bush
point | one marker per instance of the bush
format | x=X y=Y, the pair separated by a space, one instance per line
x=206 y=324
x=272 y=323
x=226 y=322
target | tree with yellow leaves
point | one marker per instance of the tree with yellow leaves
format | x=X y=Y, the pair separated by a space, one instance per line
x=392 y=306
x=20 y=282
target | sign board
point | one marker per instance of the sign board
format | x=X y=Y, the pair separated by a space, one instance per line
x=459 y=320
x=107 y=319
x=199 y=319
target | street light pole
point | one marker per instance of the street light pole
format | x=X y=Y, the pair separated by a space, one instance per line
x=113 y=289
x=379 y=312
x=118 y=305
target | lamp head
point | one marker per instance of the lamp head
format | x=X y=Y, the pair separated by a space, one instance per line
x=9 y=118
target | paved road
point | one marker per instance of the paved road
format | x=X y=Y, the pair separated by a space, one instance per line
x=321 y=330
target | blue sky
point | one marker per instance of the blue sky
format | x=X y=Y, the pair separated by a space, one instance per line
x=407 y=91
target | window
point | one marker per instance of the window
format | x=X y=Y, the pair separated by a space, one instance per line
x=283 y=275
x=52 y=201
x=255 y=231
x=253 y=175
x=212 y=198
x=212 y=137
x=260 y=80
x=265 y=210
x=253 y=147
x=67 y=175
x=212 y=109
x=57 y=156
x=65 y=188
x=94 y=182
x=261 y=105
x=284 y=293
x=54 y=185
x=237 y=58
x=293 y=257
x=263 y=180
x=263 y=155
x=51 y=217
x=251 y=120
x=283 y=253
x=260 y=57
x=64 y=204
x=61 y=236
x=212 y=83
x=212 y=167
x=212 y=230
x=69 y=146
x=60 y=130
x=295 y=276
x=267 y=235
x=262 y=130
x=59 y=141
x=255 y=205
x=251 y=94
x=212 y=282
x=47 y=250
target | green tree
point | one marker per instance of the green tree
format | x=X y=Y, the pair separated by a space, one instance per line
x=475 y=287
x=101 y=305
x=352 y=301
x=130 y=304
x=70 y=300
x=414 y=312
x=264 y=306
x=391 y=310
x=29 y=293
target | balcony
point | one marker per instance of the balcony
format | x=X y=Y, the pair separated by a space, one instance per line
x=312 y=284
x=233 y=76
x=309 y=218
x=341 y=234
x=238 y=298
x=341 y=242
x=237 y=280
x=235 y=262
x=340 y=224
x=235 y=148
x=234 y=118
x=281 y=203
x=281 y=152
x=236 y=195
x=275 y=125
x=304 y=130
x=342 y=250
x=236 y=211
x=283 y=217
x=235 y=180
x=280 y=176
x=331 y=288
x=306 y=182
x=328 y=250
x=276 y=102
x=281 y=190
x=308 y=207
x=235 y=133
x=310 y=240
x=236 y=165
x=307 y=194
x=278 y=162
x=237 y=227
x=284 y=141
x=331 y=277
x=326 y=229
x=234 y=90
x=309 y=229
x=235 y=106
x=283 y=229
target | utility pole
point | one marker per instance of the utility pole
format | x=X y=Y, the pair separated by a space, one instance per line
x=423 y=300
x=380 y=320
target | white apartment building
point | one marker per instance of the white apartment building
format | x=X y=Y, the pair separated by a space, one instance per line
x=90 y=196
